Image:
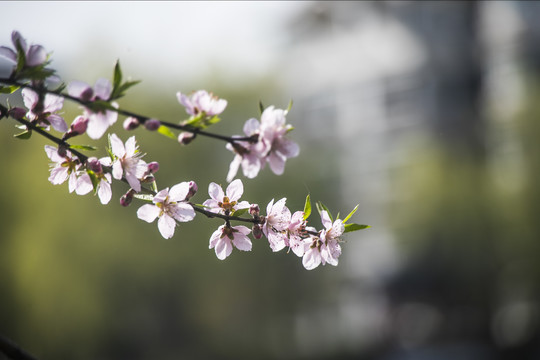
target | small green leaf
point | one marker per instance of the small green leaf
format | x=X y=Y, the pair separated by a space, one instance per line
x=354 y=227
x=290 y=105
x=321 y=207
x=163 y=130
x=83 y=147
x=147 y=197
x=240 y=212
x=117 y=76
x=351 y=213
x=261 y=107
x=307 y=208
x=25 y=135
x=9 y=89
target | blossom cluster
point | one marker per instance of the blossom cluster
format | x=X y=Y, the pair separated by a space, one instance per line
x=265 y=141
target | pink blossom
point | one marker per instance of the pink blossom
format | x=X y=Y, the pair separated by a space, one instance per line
x=273 y=130
x=277 y=221
x=202 y=102
x=297 y=231
x=103 y=180
x=225 y=203
x=127 y=161
x=63 y=167
x=169 y=207
x=324 y=248
x=34 y=54
x=248 y=155
x=44 y=112
x=98 y=122
x=224 y=238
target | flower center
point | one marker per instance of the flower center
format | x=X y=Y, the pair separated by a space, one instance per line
x=227 y=204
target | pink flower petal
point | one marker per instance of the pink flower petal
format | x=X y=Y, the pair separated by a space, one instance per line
x=102 y=89
x=148 y=212
x=179 y=191
x=98 y=123
x=183 y=212
x=233 y=167
x=277 y=163
x=223 y=248
x=104 y=191
x=84 y=185
x=36 y=55
x=8 y=54
x=80 y=89
x=235 y=190
x=30 y=98
x=216 y=192
x=166 y=225
x=311 y=259
x=57 y=122
x=117 y=146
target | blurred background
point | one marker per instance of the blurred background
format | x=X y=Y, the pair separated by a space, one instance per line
x=424 y=113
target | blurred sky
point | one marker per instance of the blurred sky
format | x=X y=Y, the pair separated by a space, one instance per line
x=183 y=38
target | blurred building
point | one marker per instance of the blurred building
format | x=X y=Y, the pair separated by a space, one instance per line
x=376 y=80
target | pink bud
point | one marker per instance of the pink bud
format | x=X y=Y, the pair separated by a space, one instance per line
x=17 y=113
x=131 y=123
x=153 y=167
x=254 y=210
x=257 y=231
x=192 y=190
x=185 y=138
x=126 y=199
x=152 y=124
x=94 y=165
x=79 y=125
x=62 y=151
x=87 y=94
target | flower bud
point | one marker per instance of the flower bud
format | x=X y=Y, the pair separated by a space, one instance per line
x=257 y=231
x=185 y=138
x=254 y=210
x=192 y=190
x=79 y=125
x=131 y=123
x=126 y=199
x=87 y=94
x=152 y=124
x=94 y=165
x=17 y=113
x=153 y=167
x=62 y=151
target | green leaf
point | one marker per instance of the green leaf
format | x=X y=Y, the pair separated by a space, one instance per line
x=307 y=208
x=83 y=147
x=117 y=76
x=147 y=197
x=351 y=213
x=321 y=207
x=25 y=135
x=163 y=130
x=9 y=89
x=240 y=212
x=120 y=91
x=354 y=227
x=290 y=105
x=261 y=107
x=100 y=106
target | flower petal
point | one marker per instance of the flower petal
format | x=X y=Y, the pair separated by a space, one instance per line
x=183 y=212
x=8 y=54
x=104 y=191
x=102 y=89
x=57 y=122
x=311 y=259
x=30 y=98
x=235 y=190
x=84 y=184
x=179 y=191
x=216 y=192
x=117 y=146
x=166 y=225
x=148 y=212
x=223 y=248
x=36 y=55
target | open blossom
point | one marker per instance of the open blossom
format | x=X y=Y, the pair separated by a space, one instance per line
x=224 y=238
x=297 y=231
x=103 y=180
x=44 y=112
x=127 y=161
x=34 y=54
x=272 y=146
x=278 y=218
x=98 y=122
x=169 y=207
x=202 y=101
x=63 y=167
x=221 y=202
x=324 y=248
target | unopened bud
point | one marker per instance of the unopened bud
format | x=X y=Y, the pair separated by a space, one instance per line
x=153 y=167
x=152 y=124
x=192 y=190
x=131 y=123
x=79 y=125
x=257 y=231
x=186 y=137
x=126 y=199
x=94 y=165
x=87 y=94
x=62 y=151
x=17 y=113
x=254 y=210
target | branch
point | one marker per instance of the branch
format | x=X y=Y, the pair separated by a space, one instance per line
x=13 y=351
x=141 y=118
